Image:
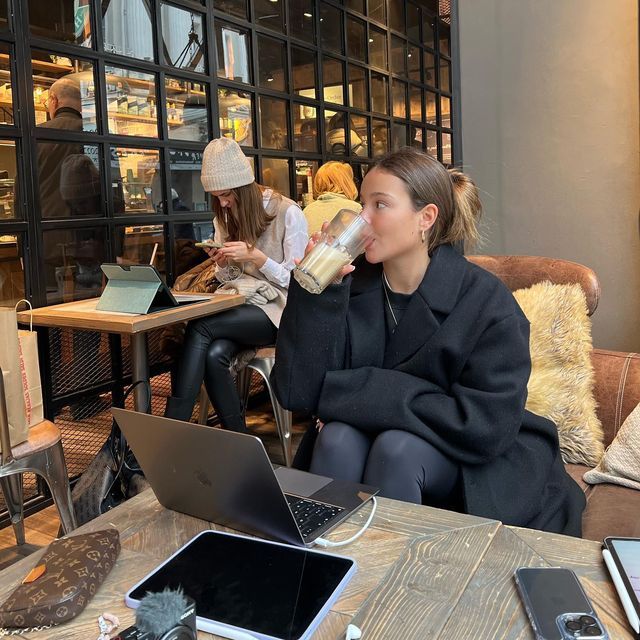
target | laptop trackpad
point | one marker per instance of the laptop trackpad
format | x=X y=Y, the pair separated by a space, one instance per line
x=300 y=483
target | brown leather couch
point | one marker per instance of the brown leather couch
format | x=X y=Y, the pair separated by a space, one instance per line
x=612 y=510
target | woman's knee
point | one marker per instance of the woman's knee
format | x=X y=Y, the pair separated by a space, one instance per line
x=393 y=445
x=336 y=438
x=220 y=353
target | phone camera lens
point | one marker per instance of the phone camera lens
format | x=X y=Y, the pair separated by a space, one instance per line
x=593 y=630
x=587 y=620
x=573 y=625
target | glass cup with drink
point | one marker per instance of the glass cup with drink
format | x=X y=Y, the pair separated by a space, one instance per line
x=344 y=239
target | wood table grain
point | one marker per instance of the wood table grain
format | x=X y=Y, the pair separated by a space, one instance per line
x=423 y=573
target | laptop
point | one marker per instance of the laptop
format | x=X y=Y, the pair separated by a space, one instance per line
x=226 y=477
x=139 y=288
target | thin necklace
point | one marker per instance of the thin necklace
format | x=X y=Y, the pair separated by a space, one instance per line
x=386 y=295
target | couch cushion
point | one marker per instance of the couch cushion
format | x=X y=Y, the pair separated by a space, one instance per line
x=611 y=510
x=561 y=384
x=576 y=471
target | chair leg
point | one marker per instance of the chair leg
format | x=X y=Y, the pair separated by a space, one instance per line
x=203 y=410
x=54 y=471
x=12 y=490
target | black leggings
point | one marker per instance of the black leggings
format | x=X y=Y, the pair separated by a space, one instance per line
x=404 y=466
x=209 y=345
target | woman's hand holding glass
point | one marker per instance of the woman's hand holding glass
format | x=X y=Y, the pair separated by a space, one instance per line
x=313 y=241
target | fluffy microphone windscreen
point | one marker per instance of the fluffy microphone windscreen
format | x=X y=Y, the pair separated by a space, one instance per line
x=159 y=612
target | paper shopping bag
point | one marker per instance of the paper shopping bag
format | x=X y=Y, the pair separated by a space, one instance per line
x=10 y=365
x=30 y=376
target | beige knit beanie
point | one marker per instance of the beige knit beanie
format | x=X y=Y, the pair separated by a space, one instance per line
x=224 y=166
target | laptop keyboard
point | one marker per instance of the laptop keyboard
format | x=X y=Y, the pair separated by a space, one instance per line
x=311 y=515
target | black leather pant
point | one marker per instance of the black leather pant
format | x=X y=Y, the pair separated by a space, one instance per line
x=404 y=466
x=209 y=345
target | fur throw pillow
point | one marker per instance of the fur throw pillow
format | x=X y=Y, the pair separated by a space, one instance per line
x=561 y=384
x=621 y=461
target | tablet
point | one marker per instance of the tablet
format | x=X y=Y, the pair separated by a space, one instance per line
x=251 y=588
x=622 y=557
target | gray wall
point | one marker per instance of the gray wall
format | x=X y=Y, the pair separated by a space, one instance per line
x=550 y=132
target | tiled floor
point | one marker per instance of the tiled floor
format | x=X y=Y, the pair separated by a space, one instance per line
x=42 y=527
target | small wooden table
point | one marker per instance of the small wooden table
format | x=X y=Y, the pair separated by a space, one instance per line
x=423 y=573
x=83 y=315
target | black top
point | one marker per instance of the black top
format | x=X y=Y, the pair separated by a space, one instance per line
x=395 y=304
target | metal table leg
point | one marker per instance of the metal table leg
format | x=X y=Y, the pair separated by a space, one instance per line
x=140 y=370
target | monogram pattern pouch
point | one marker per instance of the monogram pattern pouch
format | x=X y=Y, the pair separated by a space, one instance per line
x=64 y=580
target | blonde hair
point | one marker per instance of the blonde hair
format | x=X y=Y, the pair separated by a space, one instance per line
x=454 y=193
x=247 y=219
x=335 y=177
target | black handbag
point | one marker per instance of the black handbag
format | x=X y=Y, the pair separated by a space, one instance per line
x=110 y=478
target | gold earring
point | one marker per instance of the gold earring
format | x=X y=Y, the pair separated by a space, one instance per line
x=423 y=236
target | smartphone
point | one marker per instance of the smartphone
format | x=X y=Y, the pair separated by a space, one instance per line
x=210 y=244
x=557 y=605
x=622 y=557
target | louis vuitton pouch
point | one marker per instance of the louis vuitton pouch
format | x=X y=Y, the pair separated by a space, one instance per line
x=66 y=577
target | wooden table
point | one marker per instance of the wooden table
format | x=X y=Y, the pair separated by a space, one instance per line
x=423 y=573
x=83 y=315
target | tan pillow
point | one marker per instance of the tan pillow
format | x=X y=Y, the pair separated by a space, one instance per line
x=561 y=383
x=621 y=461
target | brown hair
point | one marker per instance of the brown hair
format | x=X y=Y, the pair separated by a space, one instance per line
x=335 y=177
x=247 y=220
x=453 y=192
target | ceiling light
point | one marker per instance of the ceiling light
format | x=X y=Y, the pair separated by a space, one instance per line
x=307 y=15
x=370 y=39
x=269 y=78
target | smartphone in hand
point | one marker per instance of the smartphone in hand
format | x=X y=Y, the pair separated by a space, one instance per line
x=209 y=244
x=557 y=605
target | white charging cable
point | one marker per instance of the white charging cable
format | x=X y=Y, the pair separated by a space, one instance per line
x=321 y=542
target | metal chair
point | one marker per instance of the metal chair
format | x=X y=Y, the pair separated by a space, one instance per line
x=262 y=362
x=41 y=454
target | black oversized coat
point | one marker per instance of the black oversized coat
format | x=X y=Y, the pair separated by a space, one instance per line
x=454 y=372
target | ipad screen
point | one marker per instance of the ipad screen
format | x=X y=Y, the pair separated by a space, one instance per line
x=271 y=589
x=628 y=560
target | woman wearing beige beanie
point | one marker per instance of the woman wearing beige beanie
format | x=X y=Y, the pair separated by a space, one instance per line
x=262 y=232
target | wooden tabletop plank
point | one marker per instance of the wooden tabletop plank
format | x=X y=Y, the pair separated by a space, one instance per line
x=83 y=314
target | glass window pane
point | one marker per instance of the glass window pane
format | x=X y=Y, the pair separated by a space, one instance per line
x=269 y=14
x=445 y=112
x=398 y=136
x=182 y=38
x=275 y=174
x=380 y=137
x=360 y=141
x=187 y=193
x=358 y=90
x=444 y=39
x=398 y=56
x=445 y=75
x=432 y=143
x=396 y=15
x=69 y=180
x=428 y=36
x=413 y=22
x=72 y=259
x=234 y=54
x=415 y=103
x=413 y=59
x=61 y=20
x=378 y=48
x=356 y=5
x=11 y=270
x=429 y=69
x=379 y=93
x=4 y=15
x=303 y=63
x=416 y=137
x=301 y=21
x=186 y=110
x=127 y=28
x=63 y=82
x=131 y=102
x=334 y=130
x=185 y=236
x=6 y=85
x=236 y=115
x=305 y=171
x=333 y=80
x=272 y=64
x=356 y=39
x=447 y=149
x=305 y=128
x=8 y=172
x=431 y=108
x=141 y=244
x=378 y=10
x=399 y=99
x=237 y=8
x=273 y=121
x=136 y=180
x=330 y=28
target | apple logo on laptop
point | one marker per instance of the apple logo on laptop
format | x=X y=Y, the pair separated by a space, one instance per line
x=202 y=478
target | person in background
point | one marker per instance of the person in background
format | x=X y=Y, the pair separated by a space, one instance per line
x=333 y=189
x=416 y=364
x=263 y=232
